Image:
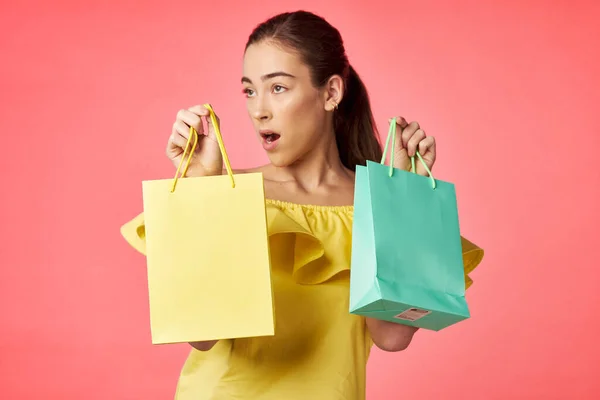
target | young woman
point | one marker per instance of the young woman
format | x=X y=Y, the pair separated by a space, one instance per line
x=311 y=113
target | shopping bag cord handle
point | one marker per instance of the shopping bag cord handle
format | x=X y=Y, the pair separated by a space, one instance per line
x=194 y=137
x=392 y=136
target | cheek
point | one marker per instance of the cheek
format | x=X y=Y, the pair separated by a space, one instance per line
x=300 y=112
x=310 y=120
x=301 y=102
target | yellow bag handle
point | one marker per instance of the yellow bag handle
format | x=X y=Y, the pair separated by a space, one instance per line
x=194 y=136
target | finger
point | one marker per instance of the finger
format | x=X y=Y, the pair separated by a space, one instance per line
x=199 y=110
x=202 y=111
x=179 y=144
x=408 y=132
x=191 y=119
x=427 y=145
x=176 y=140
x=174 y=145
x=413 y=142
x=183 y=129
x=400 y=121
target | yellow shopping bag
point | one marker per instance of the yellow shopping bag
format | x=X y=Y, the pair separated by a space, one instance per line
x=207 y=254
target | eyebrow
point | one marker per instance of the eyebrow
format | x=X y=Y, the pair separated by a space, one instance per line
x=269 y=76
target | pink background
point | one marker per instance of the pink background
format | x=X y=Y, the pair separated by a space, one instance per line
x=89 y=91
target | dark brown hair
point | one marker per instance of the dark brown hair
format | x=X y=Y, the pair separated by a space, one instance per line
x=321 y=48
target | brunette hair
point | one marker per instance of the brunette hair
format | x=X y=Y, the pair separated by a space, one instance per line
x=321 y=48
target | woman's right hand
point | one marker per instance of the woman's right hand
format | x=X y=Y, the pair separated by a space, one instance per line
x=207 y=158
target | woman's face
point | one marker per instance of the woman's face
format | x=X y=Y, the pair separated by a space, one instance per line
x=290 y=115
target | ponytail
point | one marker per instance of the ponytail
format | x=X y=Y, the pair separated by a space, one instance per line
x=355 y=130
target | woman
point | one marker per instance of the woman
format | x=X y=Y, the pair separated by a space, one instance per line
x=311 y=113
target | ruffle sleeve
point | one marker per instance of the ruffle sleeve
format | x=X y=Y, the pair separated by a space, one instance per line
x=134 y=232
x=472 y=257
x=317 y=258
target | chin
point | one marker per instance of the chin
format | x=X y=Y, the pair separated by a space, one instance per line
x=279 y=160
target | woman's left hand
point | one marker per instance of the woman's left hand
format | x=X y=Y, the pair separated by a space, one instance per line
x=410 y=138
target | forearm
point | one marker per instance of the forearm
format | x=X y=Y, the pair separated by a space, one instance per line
x=204 y=346
x=389 y=336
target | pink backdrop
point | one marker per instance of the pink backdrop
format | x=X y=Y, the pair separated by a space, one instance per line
x=89 y=91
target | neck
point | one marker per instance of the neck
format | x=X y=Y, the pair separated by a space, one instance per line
x=320 y=166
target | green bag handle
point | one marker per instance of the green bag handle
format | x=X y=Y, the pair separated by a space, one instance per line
x=392 y=135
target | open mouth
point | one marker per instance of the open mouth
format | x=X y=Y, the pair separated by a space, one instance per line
x=270 y=137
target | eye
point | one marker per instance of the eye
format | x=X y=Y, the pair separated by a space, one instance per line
x=248 y=92
x=278 y=89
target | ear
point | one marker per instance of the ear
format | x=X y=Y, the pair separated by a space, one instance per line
x=333 y=92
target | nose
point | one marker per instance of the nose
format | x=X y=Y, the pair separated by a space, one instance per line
x=261 y=110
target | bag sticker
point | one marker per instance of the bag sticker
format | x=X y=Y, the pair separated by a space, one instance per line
x=412 y=314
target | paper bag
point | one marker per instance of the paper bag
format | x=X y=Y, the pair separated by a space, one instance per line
x=407 y=263
x=207 y=255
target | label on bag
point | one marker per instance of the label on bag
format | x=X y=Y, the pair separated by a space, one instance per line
x=412 y=314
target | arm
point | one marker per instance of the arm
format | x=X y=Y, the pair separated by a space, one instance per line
x=396 y=337
x=389 y=336
x=204 y=346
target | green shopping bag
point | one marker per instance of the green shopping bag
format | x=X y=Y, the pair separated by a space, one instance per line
x=407 y=263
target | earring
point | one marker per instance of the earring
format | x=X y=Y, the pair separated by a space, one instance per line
x=335 y=105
